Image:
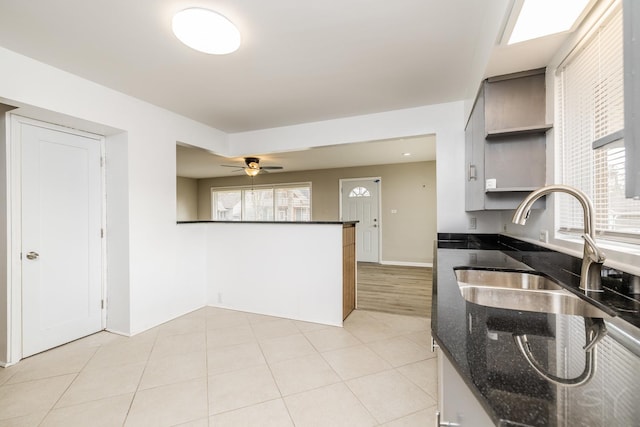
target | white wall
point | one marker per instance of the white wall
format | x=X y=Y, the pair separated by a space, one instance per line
x=143 y=271
x=118 y=301
x=285 y=270
x=191 y=254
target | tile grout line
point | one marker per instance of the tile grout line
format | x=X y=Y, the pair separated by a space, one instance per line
x=399 y=329
x=77 y=374
x=392 y=369
x=266 y=361
x=135 y=393
x=360 y=401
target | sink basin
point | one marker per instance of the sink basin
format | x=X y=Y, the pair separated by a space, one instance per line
x=519 y=290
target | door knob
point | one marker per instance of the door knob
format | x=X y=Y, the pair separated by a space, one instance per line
x=33 y=255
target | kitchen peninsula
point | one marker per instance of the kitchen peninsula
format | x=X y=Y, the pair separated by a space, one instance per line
x=295 y=270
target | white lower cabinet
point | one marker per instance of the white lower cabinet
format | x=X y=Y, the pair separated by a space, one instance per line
x=458 y=406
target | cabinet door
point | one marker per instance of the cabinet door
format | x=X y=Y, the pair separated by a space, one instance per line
x=468 y=164
x=474 y=157
x=458 y=404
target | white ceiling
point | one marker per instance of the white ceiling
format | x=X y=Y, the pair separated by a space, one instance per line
x=197 y=163
x=299 y=61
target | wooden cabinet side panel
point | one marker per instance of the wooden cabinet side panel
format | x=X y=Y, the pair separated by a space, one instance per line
x=348 y=270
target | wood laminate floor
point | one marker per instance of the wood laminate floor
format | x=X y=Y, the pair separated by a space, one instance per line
x=394 y=289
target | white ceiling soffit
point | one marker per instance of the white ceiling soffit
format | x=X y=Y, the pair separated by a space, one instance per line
x=197 y=163
x=298 y=62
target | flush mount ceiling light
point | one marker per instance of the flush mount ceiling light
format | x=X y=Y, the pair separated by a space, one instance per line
x=539 y=18
x=206 y=31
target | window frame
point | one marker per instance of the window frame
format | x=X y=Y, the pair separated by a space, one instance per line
x=275 y=215
x=600 y=141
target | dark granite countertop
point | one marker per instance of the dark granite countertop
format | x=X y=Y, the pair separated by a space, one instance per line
x=479 y=341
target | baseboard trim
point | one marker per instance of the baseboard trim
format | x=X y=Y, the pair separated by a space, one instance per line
x=123 y=334
x=408 y=264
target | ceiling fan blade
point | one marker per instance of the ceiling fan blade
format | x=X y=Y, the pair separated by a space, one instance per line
x=231 y=166
x=272 y=167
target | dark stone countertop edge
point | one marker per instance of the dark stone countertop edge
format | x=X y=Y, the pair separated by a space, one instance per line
x=268 y=222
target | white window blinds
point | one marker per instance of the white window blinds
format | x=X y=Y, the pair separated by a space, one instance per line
x=282 y=202
x=591 y=130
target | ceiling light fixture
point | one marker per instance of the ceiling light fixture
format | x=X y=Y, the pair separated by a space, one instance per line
x=206 y=31
x=406 y=154
x=251 y=171
x=539 y=18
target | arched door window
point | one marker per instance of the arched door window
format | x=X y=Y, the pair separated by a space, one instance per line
x=359 y=192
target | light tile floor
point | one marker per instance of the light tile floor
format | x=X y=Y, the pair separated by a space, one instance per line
x=216 y=367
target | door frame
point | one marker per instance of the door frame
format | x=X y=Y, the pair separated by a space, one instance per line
x=14 y=210
x=378 y=208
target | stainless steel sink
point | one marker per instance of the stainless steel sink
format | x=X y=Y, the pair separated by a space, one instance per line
x=527 y=291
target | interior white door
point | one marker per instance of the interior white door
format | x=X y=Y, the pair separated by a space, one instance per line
x=360 y=202
x=61 y=232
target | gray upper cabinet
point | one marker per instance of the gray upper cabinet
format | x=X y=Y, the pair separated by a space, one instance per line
x=505 y=142
x=515 y=103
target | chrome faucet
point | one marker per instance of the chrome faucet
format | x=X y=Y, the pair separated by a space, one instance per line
x=593 y=258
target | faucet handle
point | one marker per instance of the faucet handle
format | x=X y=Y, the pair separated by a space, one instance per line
x=595 y=253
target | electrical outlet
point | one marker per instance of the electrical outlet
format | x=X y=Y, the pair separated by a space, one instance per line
x=473 y=223
x=544 y=236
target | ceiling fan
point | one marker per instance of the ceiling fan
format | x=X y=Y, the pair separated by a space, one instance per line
x=252 y=167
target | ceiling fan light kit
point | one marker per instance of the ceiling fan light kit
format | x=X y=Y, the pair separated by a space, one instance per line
x=253 y=167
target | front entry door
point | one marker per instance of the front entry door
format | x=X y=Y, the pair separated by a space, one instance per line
x=360 y=202
x=61 y=232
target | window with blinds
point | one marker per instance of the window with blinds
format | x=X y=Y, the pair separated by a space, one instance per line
x=590 y=103
x=283 y=202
